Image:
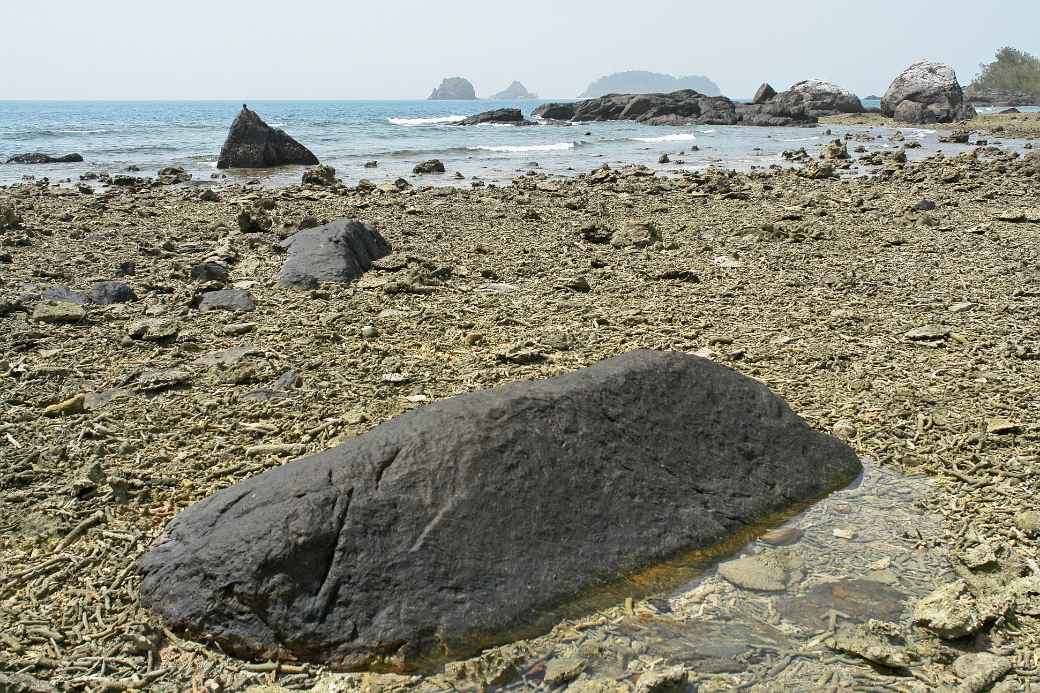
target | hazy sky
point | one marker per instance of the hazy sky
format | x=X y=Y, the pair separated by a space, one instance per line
x=329 y=49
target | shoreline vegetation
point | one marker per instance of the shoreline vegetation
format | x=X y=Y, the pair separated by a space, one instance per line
x=896 y=311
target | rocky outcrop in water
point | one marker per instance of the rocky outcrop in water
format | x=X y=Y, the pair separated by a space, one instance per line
x=454 y=89
x=998 y=97
x=252 y=143
x=457 y=523
x=501 y=116
x=686 y=107
x=643 y=82
x=337 y=252
x=514 y=92
x=926 y=92
x=38 y=158
x=802 y=104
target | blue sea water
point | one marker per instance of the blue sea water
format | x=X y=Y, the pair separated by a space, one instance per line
x=112 y=136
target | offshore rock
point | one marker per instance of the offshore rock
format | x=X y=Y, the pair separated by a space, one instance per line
x=504 y=116
x=514 y=92
x=45 y=159
x=452 y=526
x=684 y=107
x=454 y=89
x=337 y=252
x=252 y=143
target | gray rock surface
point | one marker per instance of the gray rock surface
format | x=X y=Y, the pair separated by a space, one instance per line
x=926 y=92
x=802 y=104
x=252 y=143
x=336 y=252
x=458 y=523
x=454 y=89
x=38 y=158
x=110 y=292
x=234 y=300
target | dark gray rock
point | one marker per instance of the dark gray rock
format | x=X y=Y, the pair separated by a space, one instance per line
x=764 y=93
x=337 y=252
x=65 y=295
x=172 y=175
x=110 y=292
x=252 y=143
x=926 y=92
x=210 y=271
x=430 y=166
x=685 y=107
x=803 y=104
x=45 y=159
x=234 y=300
x=454 y=89
x=460 y=523
x=508 y=116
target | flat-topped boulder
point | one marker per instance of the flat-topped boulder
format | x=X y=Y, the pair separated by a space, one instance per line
x=464 y=522
x=500 y=116
x=684 y=107
x=337 y=252
x=926 y=92
x=454 y=89
x=252 y=143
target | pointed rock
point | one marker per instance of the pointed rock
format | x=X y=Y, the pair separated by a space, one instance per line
x=252 y=143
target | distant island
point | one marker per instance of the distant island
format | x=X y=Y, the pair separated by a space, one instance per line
x=643 y=82
x=454 y=89
x=514 y=92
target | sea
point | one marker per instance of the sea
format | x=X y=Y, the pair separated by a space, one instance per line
x=114 y=136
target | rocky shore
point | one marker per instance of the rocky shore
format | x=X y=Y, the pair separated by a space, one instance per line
x=150 y=358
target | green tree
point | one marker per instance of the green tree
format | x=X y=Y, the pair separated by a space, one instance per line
x=1013 y=70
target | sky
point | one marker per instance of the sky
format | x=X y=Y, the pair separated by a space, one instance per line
x=400 y=49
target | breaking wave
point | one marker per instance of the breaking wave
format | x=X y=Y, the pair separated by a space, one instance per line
x=419 y=122
x=678 y=137
x=559 y=147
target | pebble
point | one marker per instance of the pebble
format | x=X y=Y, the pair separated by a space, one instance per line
x=58 y=311
x=1029 y=522
x=782 y=536
x=369 y=332
x=473 y=338
x=74 y=405
x=153 y=329
x=846 y=534
x=237 y=329
x=562 y=670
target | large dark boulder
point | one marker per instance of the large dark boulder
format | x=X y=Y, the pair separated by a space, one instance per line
x=462 y=523
x=685 y=107
x=803 y=104
x=502 y=116
x=454 y=89
x=926 y=92
x=337 y=252
x=45 y=159
x=252 y=143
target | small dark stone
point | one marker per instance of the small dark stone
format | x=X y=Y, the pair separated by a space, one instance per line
x=924 y=206
x=406 y=540
x=110 y=292
x=234 y=300
x=431 y=166
x=322 y=175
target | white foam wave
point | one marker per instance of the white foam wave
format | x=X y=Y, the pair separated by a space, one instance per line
x=678 y=137
x=419 y=122
x=278 y=125
x=559 y=147
x=801 y=139
x=707 y=132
